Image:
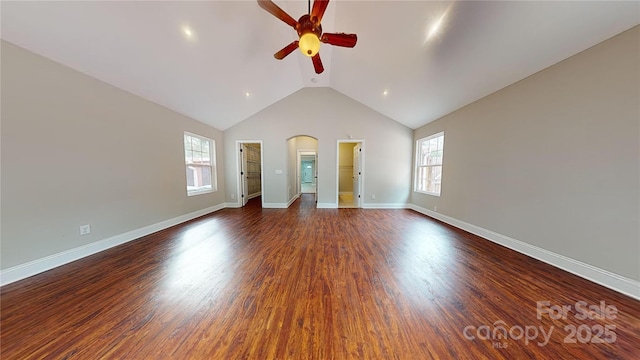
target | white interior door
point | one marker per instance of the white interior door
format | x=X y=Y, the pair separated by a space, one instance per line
x=357 y=174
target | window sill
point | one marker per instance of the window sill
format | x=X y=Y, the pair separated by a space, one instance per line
x=428 y=193
x=194 y=193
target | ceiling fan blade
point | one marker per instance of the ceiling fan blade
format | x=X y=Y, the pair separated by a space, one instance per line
x=317 y=63
x=274 y=10
x=319 y=6
x=341 y=39
x=286 y=50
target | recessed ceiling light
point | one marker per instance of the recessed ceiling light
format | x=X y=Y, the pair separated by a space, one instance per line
x=247 y=94
x=385 y=93
x=188 y=33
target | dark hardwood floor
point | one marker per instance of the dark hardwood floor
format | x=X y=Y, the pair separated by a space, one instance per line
x=306 y=283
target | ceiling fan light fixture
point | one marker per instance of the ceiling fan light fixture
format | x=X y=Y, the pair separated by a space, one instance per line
x=309 y=29
x=309 y=44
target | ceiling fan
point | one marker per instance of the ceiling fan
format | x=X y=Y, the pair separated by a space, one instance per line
x=309 y=31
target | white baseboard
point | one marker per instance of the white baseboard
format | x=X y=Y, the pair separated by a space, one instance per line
x=232 y=205
x=280 y=205
x=603 y=277
x=326 y=205
x=34 y=267
x=367 y=206
x=385 y=206
x=275 y=205
x=293 y=199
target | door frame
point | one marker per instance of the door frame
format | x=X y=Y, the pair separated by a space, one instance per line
x=360 y=202
x=239 y=176
x=308 y=152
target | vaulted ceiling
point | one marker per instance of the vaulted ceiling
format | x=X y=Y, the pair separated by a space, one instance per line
x=224 y=71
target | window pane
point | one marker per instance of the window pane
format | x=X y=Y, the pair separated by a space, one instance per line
x=206 y=153
x=206 y=176
x=429 y=164
x=190 y=177
x=424 y=152
x=198 y=178
x=435 y=157
x=436 y=178
x=195 y=143
x=422 y=179
x=199 y=155
x=433 y=144
x=430 y=185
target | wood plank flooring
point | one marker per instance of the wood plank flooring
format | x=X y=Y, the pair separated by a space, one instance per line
x=306 y=283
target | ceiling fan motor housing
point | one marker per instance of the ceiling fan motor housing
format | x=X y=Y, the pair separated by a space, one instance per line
x=305 y=25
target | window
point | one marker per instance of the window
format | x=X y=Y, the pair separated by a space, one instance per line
x=199 y=157
x=429 y=153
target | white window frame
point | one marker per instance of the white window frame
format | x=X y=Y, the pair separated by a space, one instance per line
x=192 y=166
x=419 y=165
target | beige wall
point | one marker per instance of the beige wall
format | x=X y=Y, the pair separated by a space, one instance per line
x=78 y=151
x=553 y=160
x=292 y=146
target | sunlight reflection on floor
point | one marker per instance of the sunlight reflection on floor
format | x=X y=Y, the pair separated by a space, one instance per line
x=424 y=264
x=203 y=259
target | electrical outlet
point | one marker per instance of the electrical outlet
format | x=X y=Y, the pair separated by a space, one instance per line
x=435 y=208
x=233 y=196
x=85 y=229
x=373 y=196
